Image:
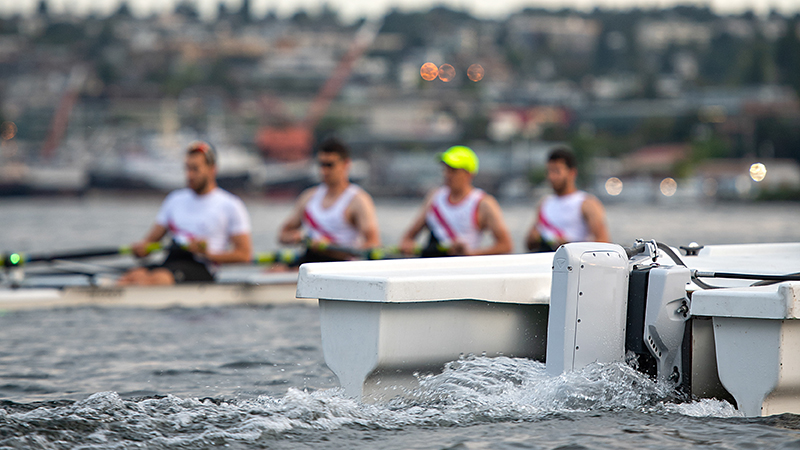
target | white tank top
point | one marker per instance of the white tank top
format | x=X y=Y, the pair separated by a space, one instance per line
x=214 y=217
x=331 y=223
x=561 y=217
x=448 y=221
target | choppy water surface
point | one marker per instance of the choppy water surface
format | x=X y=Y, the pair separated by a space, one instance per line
x=244 y=377
x=255 y=377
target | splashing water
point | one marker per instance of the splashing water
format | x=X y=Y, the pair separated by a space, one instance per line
x=469 y=392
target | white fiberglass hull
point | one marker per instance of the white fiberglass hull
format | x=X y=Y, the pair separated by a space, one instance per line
x=384 y=321
x=267 y=290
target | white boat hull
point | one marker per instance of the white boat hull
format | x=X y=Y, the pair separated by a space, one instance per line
x=396 y=340
x=384 y=321
x=263 y=290
x=757 y=334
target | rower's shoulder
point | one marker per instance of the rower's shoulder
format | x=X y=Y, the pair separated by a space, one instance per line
x=488 y=201
x=304 y=197
x=591 y=202
x=178 y=195
x=440 y=191
x=589 y=197
x=227 y=196
x=307 y=193
x=361 y=193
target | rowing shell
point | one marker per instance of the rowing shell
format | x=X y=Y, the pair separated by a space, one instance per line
x=264 y=289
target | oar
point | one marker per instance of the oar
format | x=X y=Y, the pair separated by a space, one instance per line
x=20 y=259
x=285 y=256
x=375 y=253
x=288 y=257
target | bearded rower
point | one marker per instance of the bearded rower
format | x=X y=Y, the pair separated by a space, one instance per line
x=208 y=225
x=569 y=214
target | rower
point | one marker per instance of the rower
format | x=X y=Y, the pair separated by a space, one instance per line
x=334 y=214
x=458 y=213
x=208 y=226
x=569 y=214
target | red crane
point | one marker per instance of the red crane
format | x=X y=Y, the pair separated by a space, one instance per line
x=58 y=126
x=293 y=142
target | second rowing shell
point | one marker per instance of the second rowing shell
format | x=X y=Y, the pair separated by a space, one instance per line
x=267 y=289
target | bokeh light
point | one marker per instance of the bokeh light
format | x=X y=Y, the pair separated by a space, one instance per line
x=447 y=72
x=758 y=172
x=710 y=187
x=668 y=187
x=475 y=72
x=614 y=186
x=429 y=71
x=8 y=130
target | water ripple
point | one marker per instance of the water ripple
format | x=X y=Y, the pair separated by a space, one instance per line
x=468 y=392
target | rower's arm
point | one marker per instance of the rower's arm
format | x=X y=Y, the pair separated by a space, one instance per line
x=490 y=216
x=408 y=241
x=156 y=233
x=534 y=237
x=595 y=216
x=241 y=251
x=291 y=230
x=365 y=219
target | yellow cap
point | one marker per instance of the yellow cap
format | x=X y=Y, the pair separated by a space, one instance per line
x=460 y=157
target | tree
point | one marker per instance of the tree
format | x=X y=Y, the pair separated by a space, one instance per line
x=124 y=10
x=787 y=57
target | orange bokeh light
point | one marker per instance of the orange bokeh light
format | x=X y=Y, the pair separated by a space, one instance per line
x=8 y=130
x=429 y=71
x=475 y=72
x=447 y=72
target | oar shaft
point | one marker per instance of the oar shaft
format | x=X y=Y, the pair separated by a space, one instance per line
x=287 y=257
x=19 y=259
x=368 y=253
x=77 y=254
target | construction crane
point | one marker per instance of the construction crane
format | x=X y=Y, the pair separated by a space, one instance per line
x=60 y=122
x=294 y=141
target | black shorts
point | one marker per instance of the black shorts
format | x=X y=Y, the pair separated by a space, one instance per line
x=185 y=268
x=311 y=256
x=433 y=249
x=543 y=246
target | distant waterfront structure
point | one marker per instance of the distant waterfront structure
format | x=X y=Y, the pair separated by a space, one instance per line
x=717 y=86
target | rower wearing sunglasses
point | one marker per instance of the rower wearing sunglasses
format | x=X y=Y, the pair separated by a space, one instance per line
x=208 y=226
x=335 y=214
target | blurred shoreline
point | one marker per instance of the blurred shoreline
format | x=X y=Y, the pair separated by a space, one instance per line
x=100 y=219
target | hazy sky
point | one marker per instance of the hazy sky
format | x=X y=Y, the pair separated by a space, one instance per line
x=351 y=9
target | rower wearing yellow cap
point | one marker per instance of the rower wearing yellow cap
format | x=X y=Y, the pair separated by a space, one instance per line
x=458 y=213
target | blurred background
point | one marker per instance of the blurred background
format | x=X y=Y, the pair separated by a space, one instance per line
x=662 y=103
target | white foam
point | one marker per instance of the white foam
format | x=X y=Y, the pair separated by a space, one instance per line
x=469 y=391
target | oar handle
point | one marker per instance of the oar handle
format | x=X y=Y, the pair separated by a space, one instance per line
x=374 y=253
x=288 y=257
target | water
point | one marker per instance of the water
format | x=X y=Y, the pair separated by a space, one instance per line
x=243 y=377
